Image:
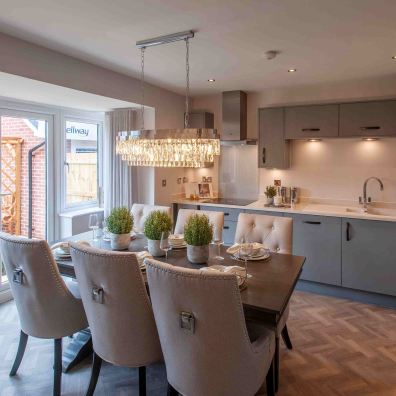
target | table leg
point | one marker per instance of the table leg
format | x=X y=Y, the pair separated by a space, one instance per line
x=78 y=349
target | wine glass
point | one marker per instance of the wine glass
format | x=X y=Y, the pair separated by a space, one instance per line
x=93 y=225
x=245 y=251
x=216 y=240
x=164 y=244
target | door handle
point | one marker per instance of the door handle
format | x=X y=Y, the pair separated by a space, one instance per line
x=369 y=128
x=226 y=227
x=348 y=231
x=313 y=222
x=264 y=156
x=310 y=129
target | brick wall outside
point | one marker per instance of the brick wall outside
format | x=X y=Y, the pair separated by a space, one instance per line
x=17 y=127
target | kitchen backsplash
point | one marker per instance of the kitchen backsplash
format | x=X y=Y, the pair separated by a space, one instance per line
x=337 y=168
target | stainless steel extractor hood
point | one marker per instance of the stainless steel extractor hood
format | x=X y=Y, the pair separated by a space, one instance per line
x=235 y=119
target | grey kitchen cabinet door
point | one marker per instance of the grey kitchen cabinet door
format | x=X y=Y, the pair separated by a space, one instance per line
x=368 y=119
x=263 y=212
x=201 y=119
x=229 y=232
x=303 y=122
x=230 y=214
x=273 y=148
x=318 y=239
x=369 y=255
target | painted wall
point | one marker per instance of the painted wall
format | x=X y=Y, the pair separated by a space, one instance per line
x=333 y=168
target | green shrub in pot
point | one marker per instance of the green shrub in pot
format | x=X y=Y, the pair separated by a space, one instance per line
x=270 y=193
x=198 y=233
x=156 y=223
x=119 y=224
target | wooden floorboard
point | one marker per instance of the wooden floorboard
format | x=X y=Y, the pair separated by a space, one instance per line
x=340 y=348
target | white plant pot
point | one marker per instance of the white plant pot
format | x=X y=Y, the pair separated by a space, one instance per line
x=269 y=201
x=120 y=241
x=154 y=248
x=198 y=254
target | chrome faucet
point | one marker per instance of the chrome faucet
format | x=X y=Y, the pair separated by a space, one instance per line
x=365 y=199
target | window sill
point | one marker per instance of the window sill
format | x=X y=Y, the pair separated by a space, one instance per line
x=81 y=212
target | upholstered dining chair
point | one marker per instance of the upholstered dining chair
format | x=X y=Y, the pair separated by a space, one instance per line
x=208 y=349
x=118 y=310
x=46 y=307
x=141 y=211
x=277 y=234
x=215 y=218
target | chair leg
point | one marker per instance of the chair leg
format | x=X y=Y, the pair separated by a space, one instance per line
x=96 y=365
x=172 y=391
x=23 y=338
x=57 y=366
x=276 y=364
x=142 y=381
x=270 y=380
x=286 y=338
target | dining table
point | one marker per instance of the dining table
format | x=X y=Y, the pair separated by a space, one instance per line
x=269 y=285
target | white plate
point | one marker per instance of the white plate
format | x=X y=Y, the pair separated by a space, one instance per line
x=254 y=258
x=179 y=246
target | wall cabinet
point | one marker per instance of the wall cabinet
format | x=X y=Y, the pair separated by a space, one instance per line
x=318 y=239
x=369 y=255
x=368 y=119
x=201 y=119
x=302 y=122
x=273 y=148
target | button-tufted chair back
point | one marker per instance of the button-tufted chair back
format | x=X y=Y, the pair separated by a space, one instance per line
x=275 y=232
x=46 y=307
x=140 y=213
x=117 y=305
x=203 y=334
x=215 y=218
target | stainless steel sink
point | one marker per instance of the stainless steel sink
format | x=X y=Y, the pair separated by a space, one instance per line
x=373 y=211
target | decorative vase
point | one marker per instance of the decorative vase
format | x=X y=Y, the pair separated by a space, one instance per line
x=154 y=248
x=198 y=254
x=269 y=200
x=120 y=241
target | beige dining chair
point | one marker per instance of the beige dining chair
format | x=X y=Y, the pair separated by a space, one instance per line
x=118 y=310
x=208 y=349
x=277 y=234
x=46 y=307
x=141 y=211
x=215 y=218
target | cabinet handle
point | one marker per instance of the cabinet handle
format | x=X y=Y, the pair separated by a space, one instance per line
x=369 y=128
x=226 y=214
x=264 y=155
x=226 y=227
x=310 y=129
x=348 y=229
x=313 y=222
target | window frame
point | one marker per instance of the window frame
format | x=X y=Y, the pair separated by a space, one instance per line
x=89 y=118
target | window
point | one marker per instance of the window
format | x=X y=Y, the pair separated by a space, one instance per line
x=81 y=163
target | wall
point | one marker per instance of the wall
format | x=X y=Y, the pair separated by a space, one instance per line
x=333 y=168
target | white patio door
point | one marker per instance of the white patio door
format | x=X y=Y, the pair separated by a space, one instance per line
x=26 y=179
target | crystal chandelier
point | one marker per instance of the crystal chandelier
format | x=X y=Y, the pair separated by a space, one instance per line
x=188 y=147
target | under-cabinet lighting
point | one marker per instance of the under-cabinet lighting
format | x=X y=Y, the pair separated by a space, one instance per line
x=211 y=80
x=314 y=140
x=370 y=139
x=292 y=70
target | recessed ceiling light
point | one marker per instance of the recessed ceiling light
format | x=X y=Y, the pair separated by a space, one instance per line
x=370 y=139
x=211 y=80
x=292 y=70
x=394 y=57
x=314 y=140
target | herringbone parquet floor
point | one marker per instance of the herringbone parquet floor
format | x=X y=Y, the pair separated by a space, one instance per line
x=340 y=348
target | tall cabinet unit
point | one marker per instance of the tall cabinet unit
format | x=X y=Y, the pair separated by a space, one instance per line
x=273 y=148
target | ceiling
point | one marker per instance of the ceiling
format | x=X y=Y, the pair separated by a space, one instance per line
x=325 y=40
x=27 y=90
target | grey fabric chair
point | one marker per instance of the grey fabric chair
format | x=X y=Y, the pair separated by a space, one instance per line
x=141 y=211
x=207 y=347
x=46 y=307
x=118 y=310
x=276 y=233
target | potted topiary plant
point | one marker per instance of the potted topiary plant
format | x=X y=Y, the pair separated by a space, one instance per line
x=119 y=224
x=156 y=223
x=198 y=233
x=270 y=193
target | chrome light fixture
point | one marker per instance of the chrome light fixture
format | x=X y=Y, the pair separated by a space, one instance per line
x=188 y=147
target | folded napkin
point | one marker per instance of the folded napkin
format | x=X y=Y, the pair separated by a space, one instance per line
x=141 y=256
x=237 y=246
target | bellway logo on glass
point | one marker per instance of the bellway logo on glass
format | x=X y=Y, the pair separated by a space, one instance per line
x=77 y=131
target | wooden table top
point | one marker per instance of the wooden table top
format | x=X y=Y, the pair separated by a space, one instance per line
x=268 y=290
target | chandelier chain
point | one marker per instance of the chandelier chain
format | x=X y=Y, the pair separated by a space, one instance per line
x=142 y=86
x=187 y=114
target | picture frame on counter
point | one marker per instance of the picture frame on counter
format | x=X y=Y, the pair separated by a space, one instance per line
x=205 y=190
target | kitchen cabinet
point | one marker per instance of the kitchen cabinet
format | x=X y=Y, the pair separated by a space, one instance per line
x=273 y=148
x=369 y=255
x=303 y=122
x=201 y=119
x=368 y=119
x=318 y=239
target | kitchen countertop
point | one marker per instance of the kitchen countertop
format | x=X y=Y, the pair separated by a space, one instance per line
x=354 y=212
